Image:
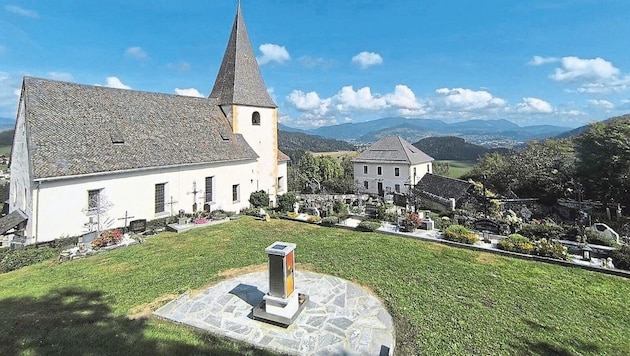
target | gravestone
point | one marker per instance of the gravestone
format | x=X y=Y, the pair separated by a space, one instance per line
x=489 y=225
x=138 y=226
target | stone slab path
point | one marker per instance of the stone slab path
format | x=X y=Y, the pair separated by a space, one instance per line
x=340 y=318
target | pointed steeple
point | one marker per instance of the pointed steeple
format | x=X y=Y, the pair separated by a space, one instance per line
x=239 y=80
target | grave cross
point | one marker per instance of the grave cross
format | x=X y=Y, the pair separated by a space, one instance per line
x=126 y=218
x=194 y=193
x=171 y=203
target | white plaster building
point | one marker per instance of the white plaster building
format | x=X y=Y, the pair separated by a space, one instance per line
x=84 y=153
x=390 y=165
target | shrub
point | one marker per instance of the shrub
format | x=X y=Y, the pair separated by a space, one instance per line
x=459 y=233
x=414 y=220
x=286 y=201
x=598 y=239
x=330 y=220
x=340 y=208
x=250 y=211
x=548 y=248
x=314 y=219
x=369 y=225
x=108 y=237
x=259 y=199
x=516 y=243
x=218 y=214
x=542 y=231
x=621 y=257
x=14 y=259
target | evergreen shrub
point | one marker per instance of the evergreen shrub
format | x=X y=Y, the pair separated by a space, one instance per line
x=369 y=225
x=621 y=257
x=516 y=243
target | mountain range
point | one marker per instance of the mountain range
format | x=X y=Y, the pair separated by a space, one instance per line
x=413 y=130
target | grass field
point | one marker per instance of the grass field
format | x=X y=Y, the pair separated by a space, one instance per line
x=458 y=168
x=443 y=300
x=5 y=150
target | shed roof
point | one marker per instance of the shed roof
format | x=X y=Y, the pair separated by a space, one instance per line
x=443 y=187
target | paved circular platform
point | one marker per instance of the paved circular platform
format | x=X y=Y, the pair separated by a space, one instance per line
x=340 y=317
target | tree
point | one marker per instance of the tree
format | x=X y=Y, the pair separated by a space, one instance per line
x=603 y=152
x=286 y=201
x=259 y=199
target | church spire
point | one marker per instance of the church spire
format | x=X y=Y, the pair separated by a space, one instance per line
x=239 y=80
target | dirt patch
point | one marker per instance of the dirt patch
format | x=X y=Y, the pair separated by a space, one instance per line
x=144 y=311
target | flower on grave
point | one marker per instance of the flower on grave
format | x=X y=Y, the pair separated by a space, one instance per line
x=414 y=220
x=108 y=237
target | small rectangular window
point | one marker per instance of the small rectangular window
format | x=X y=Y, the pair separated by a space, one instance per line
x=94 y=199
x=365 y=169
x=209 y=197
x=379 y=171
x=397 y=172
x=366 y=184
x=429 y=167
x=280 y=184
x=235 y=193
x=159 y=197
x=397 y=188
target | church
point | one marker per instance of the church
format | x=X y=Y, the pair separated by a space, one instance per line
x=85 y=155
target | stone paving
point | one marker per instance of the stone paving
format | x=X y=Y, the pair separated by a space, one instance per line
x=340 y=318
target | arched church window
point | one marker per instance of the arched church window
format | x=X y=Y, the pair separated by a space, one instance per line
x=256 y=118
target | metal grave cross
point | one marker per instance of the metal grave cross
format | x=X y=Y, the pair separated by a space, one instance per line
x=171 y=202
x=194 y=193
x=126 y=218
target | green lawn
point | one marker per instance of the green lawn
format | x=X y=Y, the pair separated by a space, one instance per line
x=443 y=300
x=458 y=168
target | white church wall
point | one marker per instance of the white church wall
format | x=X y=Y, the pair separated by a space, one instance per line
x=20 y=183
x=262 y=136
x=63 y=203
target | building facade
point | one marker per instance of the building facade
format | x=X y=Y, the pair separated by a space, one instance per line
x=86 y=156
x=390 y=165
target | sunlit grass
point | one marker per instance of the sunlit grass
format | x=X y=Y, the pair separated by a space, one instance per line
x=443 y=300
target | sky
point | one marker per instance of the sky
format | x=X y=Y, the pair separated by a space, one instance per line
x=327 y=62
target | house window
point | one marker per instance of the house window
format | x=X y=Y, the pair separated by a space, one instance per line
x=209 y=182
x=380 y=188
x=397 y=172
x=429 y=168
x=94 y=199
x=365 y=170
x=366 y=184
x=256 y=118
x=159 y=197
x=379 y=171
x=236 y=192
x=397 y=188
x=280 y=184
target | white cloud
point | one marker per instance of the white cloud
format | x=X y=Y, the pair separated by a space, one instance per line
x=595 y=75
x=22 y=11
x=538 y=60
x=468 y=100
x=65 y=77
x=367 y=59
x=309 y=102
x=534 y=106
x=135 y=52
x=273 y=53
x=114 y=82
x=189 y=92
x=347 y=99
x=604 y=104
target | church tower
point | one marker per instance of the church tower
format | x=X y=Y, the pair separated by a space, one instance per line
x=243 y=97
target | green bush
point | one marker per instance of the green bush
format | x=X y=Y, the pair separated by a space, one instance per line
x=552 y=249
x=621 y=257
x=516 y=243
x=250 y=211
x=542 y=231
x=369 y=225
x=259 y=199
x=459 y=233
x=330 y=220
x=286 y=201
x=597 y=239
x=14 y=259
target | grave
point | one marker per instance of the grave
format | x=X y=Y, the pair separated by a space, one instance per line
x=282 y=304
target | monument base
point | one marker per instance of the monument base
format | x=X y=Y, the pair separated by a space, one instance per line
x=280 y=311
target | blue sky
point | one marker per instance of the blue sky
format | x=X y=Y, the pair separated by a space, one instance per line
x=327 y=62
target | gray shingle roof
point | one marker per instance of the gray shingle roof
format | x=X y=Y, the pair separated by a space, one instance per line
x=239 y=80
x=72 y=129
x=393 y=149
x=432 y=185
